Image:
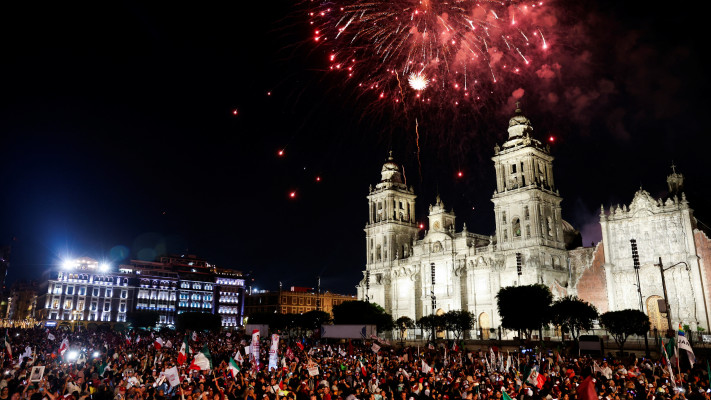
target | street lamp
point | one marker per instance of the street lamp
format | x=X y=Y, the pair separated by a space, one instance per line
x=664 y=287
x=635 y=259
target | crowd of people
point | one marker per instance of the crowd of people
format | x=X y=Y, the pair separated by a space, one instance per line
x=106 y=365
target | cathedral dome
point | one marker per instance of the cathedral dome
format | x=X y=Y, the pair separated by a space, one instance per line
x=390 y=171
x=519 y=125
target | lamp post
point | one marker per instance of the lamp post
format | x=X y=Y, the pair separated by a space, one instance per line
x=664 y=287
x=635 y=259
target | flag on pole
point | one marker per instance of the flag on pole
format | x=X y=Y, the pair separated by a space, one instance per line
x=586 y=390
x=158 y=343
x=425 y=368
x=202 y=360
x=671 y=372
x=505 y=396
x=63 y=346
x=534 y=378
x=50 y=336
x=683 y=344
x=8 y=347
x=233 y=367
x=184 y=351
x=239 y=358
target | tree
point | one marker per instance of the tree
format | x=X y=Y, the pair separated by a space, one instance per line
x=362 y=312
x=524 y=308
x=314 y=319
x=621 y=324
x=431 y=323
x=573 y=315
x=142 y=319
x=198 y=321
x=459 y=321
x=403 y=324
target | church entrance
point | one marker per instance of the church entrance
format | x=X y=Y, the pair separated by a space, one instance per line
x=656 y=318
x=484 y=325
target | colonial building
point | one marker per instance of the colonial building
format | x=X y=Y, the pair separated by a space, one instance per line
x=296 y=300
x=83 y=291
x=451 y=270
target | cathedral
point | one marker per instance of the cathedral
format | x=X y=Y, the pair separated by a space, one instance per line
x=461 y=270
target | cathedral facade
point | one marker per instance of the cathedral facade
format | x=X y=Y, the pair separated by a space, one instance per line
x=460 y=270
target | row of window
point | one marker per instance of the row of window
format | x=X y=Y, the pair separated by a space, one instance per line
x=297 y=300
x=152 y=306
x=98 y=280
x=229 y=321
x=153 y=295
x=106 y=316
x=231 y=282
x=82 y=291
x=195 y=296
x=194 y=304
x=229 y=299
x=196 y=286
x=228 y=310
x=68 y=304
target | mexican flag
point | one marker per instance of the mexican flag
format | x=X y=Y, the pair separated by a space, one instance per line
x=233 y=367
x=158 y=343
x=202 y=360
x=184 y=351
x=63 y=346
x=534 y=378
x=8 y=347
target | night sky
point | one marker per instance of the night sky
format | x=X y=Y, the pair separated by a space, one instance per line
x=118 y=137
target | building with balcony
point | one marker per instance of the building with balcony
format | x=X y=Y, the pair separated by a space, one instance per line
x=83 y=291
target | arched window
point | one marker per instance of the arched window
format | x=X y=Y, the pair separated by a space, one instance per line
x=516 y=227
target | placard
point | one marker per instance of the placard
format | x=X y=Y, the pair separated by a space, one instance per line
x=37 y=373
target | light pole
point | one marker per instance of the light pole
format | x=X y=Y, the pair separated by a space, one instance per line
x=635 y=259
x=664 y=287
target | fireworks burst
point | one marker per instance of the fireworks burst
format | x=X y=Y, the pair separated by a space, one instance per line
x=418 y=81
x=452 y=51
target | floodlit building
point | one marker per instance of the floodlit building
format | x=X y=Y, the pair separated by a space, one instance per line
x=296 y=300
x=83 y=291
x=414 y=273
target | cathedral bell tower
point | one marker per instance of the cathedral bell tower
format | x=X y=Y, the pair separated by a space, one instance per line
x=526 y=201
x=392 y=226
